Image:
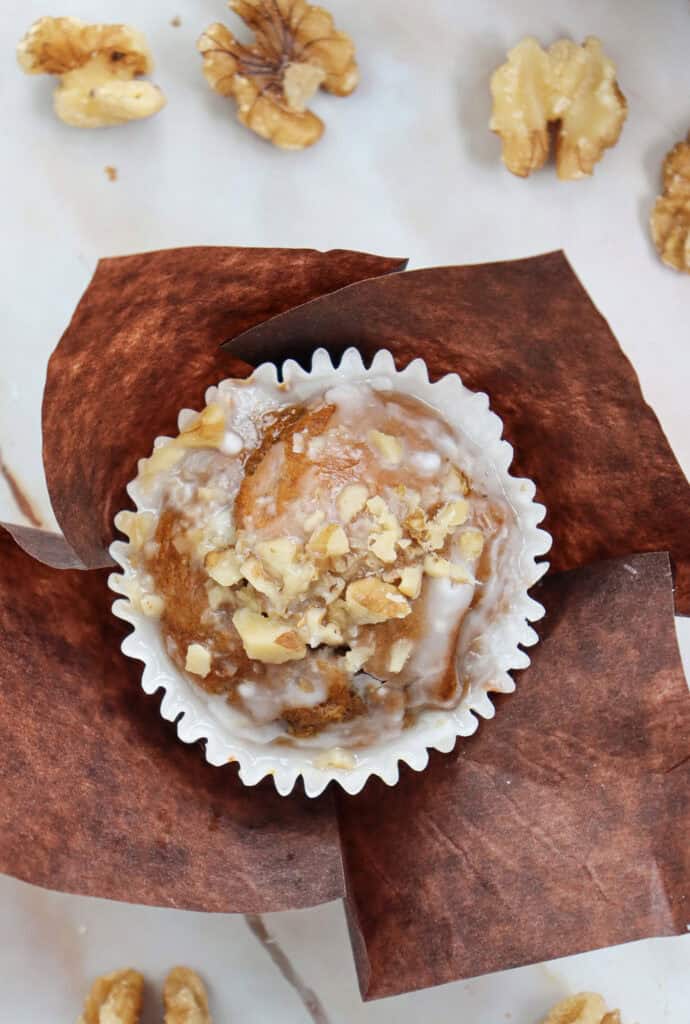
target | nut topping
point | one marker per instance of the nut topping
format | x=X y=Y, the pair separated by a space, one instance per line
x=296 y=51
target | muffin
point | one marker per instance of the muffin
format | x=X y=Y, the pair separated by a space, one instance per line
x=329 y=558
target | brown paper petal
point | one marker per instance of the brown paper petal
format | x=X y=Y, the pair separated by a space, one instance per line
x=561 y=826
x=97 y=794
x=527 y=333
x=46 y=547
x=143 y=343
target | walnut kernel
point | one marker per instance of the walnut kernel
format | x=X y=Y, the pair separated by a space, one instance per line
x=296 y=50
x=198 y=660
x=670 y=220
x=370 y=600
x=184 y=998
x=436 y=567
x=319 y=632
x=329 y=542
x=223 y=567
x=471 y=543
x=206 y=430
x=399 y=655
x=573 y=87
x=583 y=1008
x=163 y=458
x=351 y=501
x=411 y=581
x=383 y=544
x=267 y=640
x=99 y=68
x=115 y=997
x=356 y=658
x=138 y=526
x=389 y=448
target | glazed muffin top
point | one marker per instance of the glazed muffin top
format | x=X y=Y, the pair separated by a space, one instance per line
x=327 y=565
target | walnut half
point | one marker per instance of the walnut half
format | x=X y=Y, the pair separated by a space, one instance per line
x=99 y=68
x=184 y=997
x=114 y=999
x=296 y=50
x=584 y=1008
x=571 y=87
x=670 y=220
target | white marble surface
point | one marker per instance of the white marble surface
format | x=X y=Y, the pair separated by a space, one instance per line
x=406 y=167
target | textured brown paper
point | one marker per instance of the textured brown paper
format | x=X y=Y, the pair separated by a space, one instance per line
x=527 y=333
x=563 y=825
x=143 y=344
x=97 y=794
x=48 y=548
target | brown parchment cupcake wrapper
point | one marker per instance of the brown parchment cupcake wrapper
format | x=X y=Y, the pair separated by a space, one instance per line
x=98 y=796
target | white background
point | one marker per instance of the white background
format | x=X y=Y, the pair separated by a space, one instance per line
x=407 y=167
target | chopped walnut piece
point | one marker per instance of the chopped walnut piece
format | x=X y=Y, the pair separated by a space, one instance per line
x=198 y=660
x=389 y=447
x=296 y=50
x=319 y=632
x=573 y=87
x=459 y=574
x=584 y=1008
x=329 y=542
x=436 y=567
x=399 y=654
x=370 y=600
x=383 y=544
x=138 y=526
x=278 y=555
x=416 y=524
x=99 y=67
x=223 y=567
x=114 y=999
x=267 y=640
x=411 y=581
x=356 y=658
x=206 y=430
x=163 y=458
x=455 y=484
x=472 y=543
x=670 y=220
x=444 y=522
x=351 y=501
x=184 y=998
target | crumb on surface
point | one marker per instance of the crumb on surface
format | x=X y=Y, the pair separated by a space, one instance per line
x=176 y=21
x=111 y=172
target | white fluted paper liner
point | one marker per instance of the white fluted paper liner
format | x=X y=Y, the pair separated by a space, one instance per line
x=203 y=716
